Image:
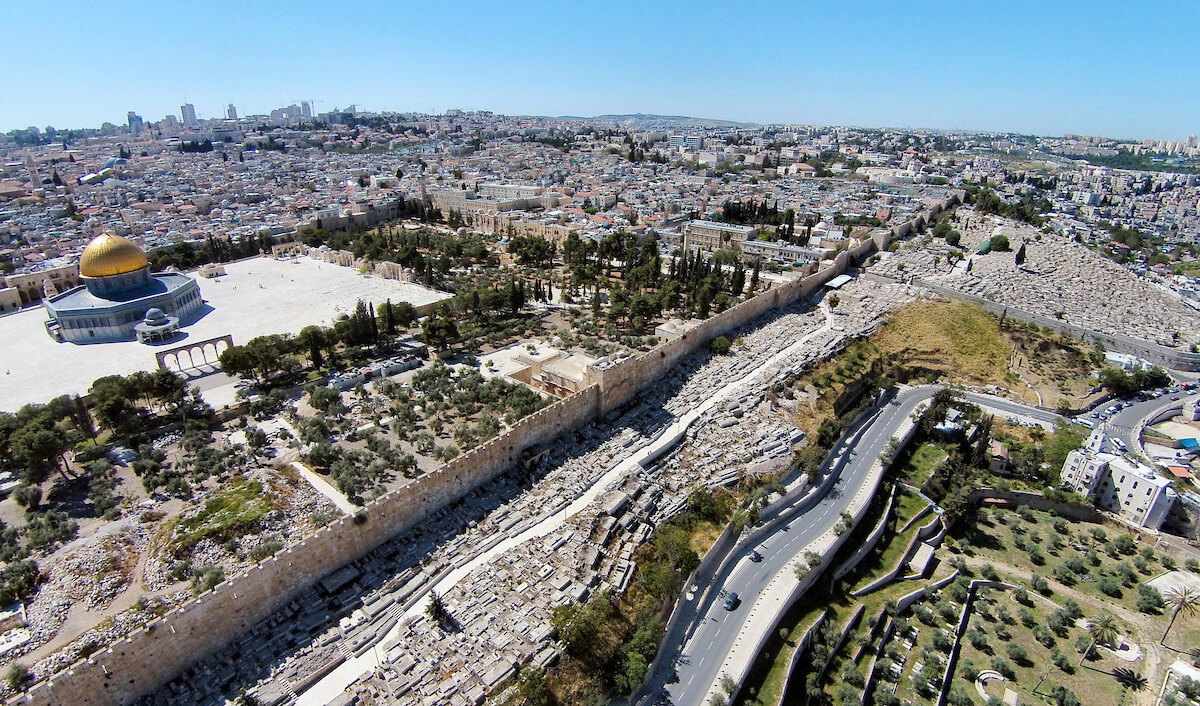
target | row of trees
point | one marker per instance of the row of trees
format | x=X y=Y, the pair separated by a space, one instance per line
x=265 y=357
x=186 y=256
x=1028 y=209
x=1123 y=383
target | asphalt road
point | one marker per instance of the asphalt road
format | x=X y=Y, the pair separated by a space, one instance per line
x=714 y=632
x=715 y=629
x=1123 y=424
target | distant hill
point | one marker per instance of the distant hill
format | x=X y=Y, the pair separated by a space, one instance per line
x=646 y=121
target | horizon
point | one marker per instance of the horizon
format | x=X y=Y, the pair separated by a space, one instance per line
x=1103 y=69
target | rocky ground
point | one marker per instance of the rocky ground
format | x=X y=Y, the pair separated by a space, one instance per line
x=1060 y=278
x=99 y=588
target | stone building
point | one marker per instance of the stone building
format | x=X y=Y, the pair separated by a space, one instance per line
x=119 y=299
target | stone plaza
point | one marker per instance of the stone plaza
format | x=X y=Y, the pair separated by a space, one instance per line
x=255 y=297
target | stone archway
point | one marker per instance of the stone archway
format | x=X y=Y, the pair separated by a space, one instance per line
x=198 y=351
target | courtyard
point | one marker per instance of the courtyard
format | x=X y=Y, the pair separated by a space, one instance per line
x=255 y=297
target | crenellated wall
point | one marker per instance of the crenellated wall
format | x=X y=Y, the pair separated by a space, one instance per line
x=154 y=654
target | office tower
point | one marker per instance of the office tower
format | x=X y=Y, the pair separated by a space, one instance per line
x=231 y=112
x=188 y=111
x=136 y=125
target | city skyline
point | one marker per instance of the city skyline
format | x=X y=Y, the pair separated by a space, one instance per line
x=1086 y=69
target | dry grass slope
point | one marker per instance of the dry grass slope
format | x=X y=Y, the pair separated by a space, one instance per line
x=958 y=339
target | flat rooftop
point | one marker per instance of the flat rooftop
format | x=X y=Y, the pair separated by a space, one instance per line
x=256 y=297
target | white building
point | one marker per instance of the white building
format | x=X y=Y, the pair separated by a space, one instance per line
x=501 y=192
x=1118 y=484
x=694 y=143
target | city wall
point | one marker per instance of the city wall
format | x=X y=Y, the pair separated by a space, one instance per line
x=151 y=656
x=156 y=653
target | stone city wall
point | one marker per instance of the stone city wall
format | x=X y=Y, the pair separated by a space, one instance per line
x=154 y=654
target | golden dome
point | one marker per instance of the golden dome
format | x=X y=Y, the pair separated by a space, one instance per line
x=109 y=255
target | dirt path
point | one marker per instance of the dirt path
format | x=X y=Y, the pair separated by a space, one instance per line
x=1146 y=632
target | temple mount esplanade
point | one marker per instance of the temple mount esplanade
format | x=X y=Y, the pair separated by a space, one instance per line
x=120 y=300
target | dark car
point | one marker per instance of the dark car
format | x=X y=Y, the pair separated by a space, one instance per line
x=732 y=601
x=755 y=556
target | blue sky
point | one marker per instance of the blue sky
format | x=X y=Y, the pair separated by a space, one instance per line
x=1100 y=67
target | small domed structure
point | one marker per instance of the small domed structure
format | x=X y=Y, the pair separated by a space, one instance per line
x=155 y=316
x=157 y=326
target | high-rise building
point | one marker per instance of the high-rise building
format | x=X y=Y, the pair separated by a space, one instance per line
x=188 y=111
x=231 y=112
x=305 y=109
x=136 y=124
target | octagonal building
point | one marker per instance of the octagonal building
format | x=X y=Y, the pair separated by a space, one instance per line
x=118 y=292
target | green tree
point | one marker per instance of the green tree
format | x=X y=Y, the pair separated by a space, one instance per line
x=719 y=345
x=17 y=676
x=27 y=496
x=314 y=339
x=1181 y=599
x=436 y=609
x=41 y=450
x=1103 y=630
x=531 y=685
x=235 y=360
x=438 y=329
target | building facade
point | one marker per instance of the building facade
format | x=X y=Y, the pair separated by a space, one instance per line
x=1118 y=484
x=711 y=235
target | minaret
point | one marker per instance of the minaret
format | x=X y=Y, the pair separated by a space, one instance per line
x=35 y=180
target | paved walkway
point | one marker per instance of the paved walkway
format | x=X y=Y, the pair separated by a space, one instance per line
x=324 y=488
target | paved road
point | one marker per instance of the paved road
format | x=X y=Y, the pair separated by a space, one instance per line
x=714 y=632
x=1124 y=424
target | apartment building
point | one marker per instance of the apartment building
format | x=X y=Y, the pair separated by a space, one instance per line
x=1118 y=484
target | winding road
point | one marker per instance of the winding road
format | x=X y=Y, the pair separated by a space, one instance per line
x=706 y=631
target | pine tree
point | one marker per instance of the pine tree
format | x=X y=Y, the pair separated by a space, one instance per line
x=389 y=324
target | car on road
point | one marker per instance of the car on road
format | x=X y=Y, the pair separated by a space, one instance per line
x=755 y=556
x=731 y=601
